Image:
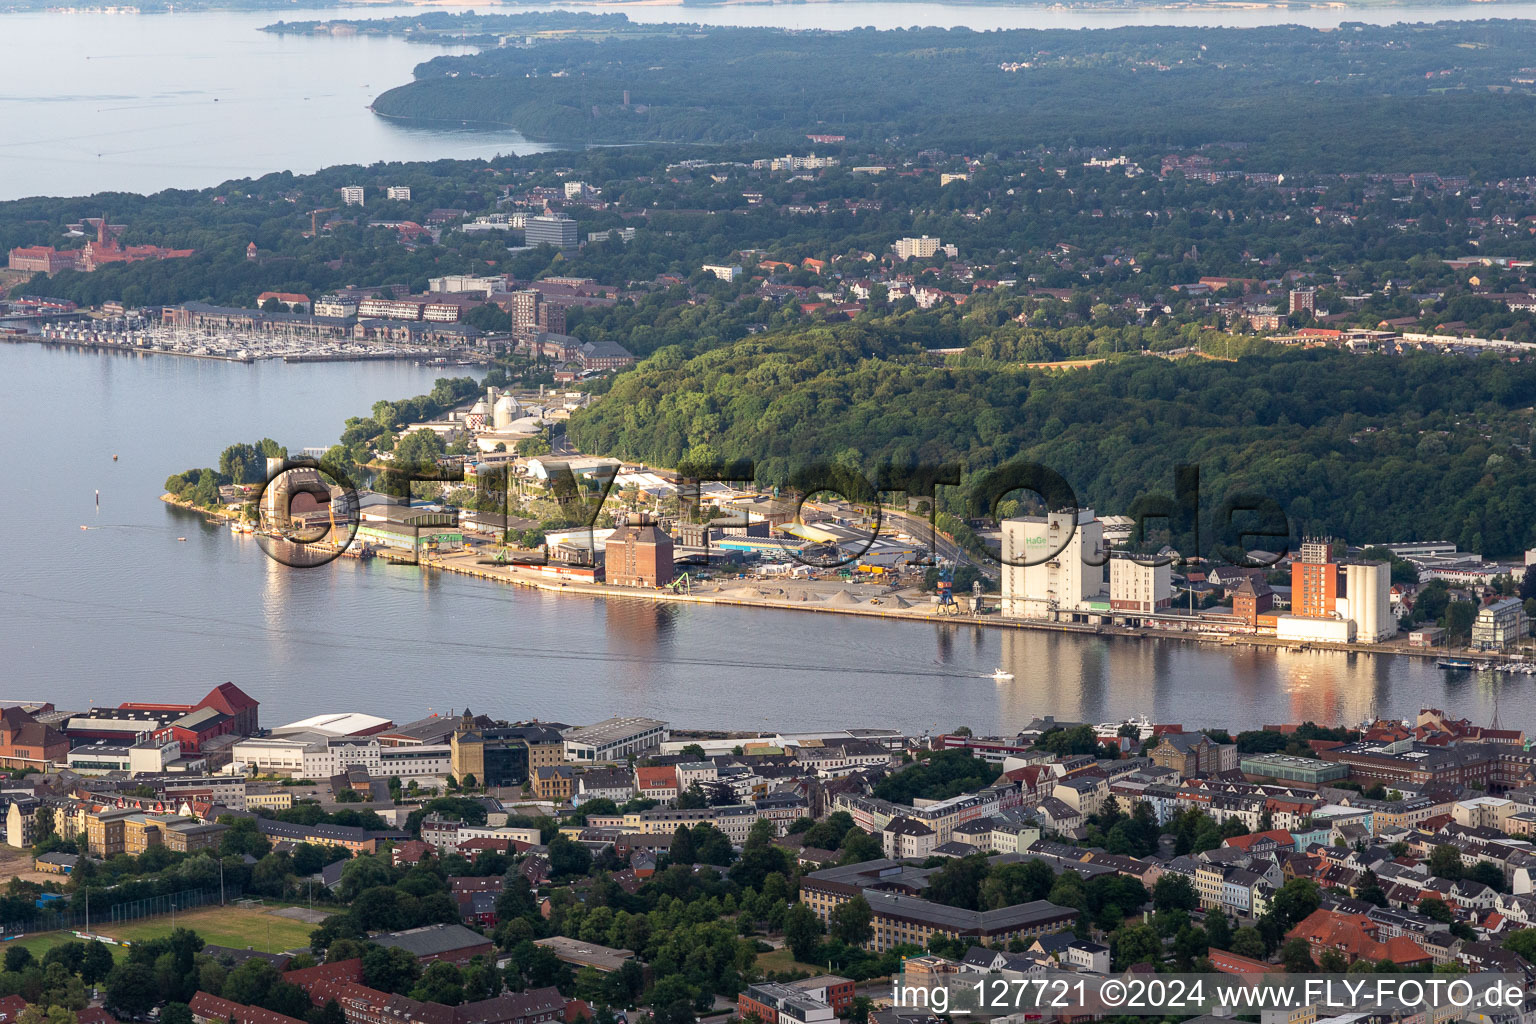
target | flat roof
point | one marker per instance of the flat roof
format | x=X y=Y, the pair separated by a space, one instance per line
x=612 y=730
x=602 y=958
x=340 y=723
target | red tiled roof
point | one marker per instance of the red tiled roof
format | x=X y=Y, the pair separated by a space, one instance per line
x=228 y=698
x=1245 y=842
x=664 y=777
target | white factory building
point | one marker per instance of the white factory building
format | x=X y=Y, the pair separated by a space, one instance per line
x=1052 y=563
x=313 y=755
x=1070 y=571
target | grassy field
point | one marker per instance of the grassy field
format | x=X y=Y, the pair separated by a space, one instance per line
x=784 y=960
x=239 y=927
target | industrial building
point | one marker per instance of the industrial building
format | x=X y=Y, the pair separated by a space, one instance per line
x=1053 y=563
x=639 y=555
x=1359 y=611
x=614 y=739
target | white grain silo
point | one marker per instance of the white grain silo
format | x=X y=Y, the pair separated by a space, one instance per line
x=1368 y=586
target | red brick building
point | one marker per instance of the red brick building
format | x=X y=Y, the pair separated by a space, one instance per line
x=43 y=259
x=27 y=743
x=226 y=709
x=639 y=555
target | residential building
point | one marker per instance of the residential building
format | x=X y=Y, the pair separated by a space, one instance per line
x=1193 y=753
x=352 y=195
x=899 y=918
x=554 y=229
x=905 y=839
x=399 y=193
x=657 y=783
x=1499 y=625
x=1137 y=586
x=922 y=248
x=724 y=272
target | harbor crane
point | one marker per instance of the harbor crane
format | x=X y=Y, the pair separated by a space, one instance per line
x=947 y=603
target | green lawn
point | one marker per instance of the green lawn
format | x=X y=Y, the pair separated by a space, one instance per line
x=239 y=927
x=783 y=960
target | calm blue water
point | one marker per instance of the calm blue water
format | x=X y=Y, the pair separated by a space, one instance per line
x=123 y=611
x=140 y=103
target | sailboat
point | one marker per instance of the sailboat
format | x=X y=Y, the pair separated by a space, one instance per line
x=98 y=501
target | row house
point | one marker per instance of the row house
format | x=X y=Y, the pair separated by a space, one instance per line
x=782 y=809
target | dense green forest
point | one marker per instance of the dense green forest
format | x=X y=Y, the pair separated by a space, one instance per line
x=1368 y=449
x=1362 y=98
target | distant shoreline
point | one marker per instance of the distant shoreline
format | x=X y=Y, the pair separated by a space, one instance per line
x=160 y=7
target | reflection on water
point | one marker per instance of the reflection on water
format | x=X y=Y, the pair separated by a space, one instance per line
x=122 y=610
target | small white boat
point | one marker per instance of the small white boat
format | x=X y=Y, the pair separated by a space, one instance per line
x=1001 y=676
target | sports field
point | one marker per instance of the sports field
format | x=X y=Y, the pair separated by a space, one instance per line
x=258 y=927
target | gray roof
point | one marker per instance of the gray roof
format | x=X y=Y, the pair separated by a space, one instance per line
x=431 y=939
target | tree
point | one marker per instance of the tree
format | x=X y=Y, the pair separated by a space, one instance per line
x=17 y=959
x=802 y=932
x=96 y=963
x=1445 y=862
x=1436 y=910
x=682 y=850
x=568 y=859
x=1522 y=943
x=1134 y=944
x=1246 y=941
x=1293 y=901
x=1008 y=885
x=419 y=448
x=859 y=846
x=1218 y=929
x=1174 y=892
x=851 y=921
x=1296 y=955
x=39 y=1014
x=958 y=882
x=1370 y=890
x=131 y=990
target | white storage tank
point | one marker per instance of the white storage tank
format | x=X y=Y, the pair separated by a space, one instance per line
x=1368 y=586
